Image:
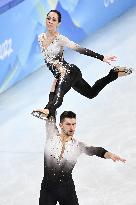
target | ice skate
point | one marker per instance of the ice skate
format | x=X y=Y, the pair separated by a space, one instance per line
x=122 y=71
x=41 y=113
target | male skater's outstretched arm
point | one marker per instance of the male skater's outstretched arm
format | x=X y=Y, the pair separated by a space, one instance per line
x=61 y=153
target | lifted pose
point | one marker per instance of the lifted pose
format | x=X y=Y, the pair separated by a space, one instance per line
x=60 y=157
x=67 y=75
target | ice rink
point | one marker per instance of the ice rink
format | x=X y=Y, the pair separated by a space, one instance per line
x=109 y=120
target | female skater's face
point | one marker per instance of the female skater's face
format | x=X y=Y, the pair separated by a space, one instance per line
x=52 y=21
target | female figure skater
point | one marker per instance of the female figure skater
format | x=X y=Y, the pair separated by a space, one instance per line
x=67 y=75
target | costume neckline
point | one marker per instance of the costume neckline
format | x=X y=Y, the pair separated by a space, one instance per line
x=52 y=40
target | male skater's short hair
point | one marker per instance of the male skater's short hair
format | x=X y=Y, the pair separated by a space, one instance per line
x=67 y=114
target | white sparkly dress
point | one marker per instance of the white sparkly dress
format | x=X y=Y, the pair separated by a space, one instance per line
x=69 y=75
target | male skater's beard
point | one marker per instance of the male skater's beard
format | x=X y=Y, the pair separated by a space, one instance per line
x=68 y=133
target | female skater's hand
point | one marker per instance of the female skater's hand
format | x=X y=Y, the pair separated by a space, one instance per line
x=109 y=59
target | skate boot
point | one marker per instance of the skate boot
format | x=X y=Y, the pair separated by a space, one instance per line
x=41 y=113
x=122 y=71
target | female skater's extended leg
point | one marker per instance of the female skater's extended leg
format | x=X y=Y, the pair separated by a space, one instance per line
x=82 y=87
x=74 y=79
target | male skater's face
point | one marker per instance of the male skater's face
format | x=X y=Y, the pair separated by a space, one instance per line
x=68 y=126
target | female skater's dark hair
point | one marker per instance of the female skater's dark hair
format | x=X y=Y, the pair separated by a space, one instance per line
x=57 y=12
x=67 y=114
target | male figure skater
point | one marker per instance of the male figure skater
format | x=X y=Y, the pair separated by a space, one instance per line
x=61 y=153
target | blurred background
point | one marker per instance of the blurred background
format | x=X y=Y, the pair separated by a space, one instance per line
x=107 y=27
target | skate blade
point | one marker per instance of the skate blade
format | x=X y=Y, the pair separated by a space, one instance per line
x=126 y=71
x=39 y=115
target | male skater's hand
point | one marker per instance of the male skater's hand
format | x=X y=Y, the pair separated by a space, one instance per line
x=109 y=59
x=114 y=157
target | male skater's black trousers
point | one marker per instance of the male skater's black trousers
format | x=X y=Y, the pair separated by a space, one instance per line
x=73 y=79
x=63 y=192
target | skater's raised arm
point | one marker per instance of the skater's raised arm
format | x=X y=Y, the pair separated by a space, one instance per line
x=51 y=129
x=74 y=46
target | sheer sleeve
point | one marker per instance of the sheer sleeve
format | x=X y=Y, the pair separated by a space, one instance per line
x=72 y=45
x=51 y=129
x=90 y=150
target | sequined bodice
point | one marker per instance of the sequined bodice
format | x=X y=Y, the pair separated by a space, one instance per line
x=53 y=54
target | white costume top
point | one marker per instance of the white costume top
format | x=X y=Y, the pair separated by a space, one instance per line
x=60 y=169
x=53 y=54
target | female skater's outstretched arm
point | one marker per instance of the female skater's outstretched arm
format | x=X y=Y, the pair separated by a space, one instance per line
x=74 y=46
